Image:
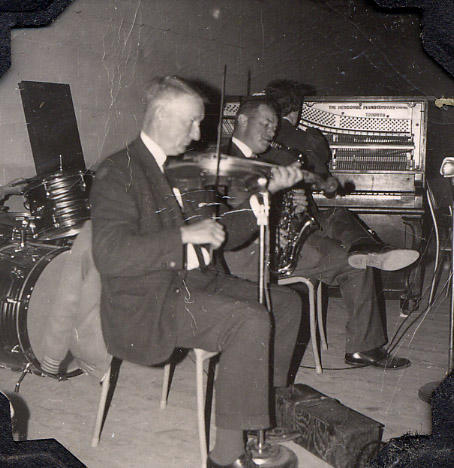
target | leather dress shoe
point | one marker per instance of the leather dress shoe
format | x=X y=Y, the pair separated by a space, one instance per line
x=377 y=357
x=245 y=461
x=381 y=256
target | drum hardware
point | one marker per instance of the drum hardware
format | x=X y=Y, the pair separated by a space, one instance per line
x=28 y=370
x=15 y=228
x=17 y=273
x=10 y=300
x=25 y=371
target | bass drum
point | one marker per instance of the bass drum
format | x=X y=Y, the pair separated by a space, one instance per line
x=28 y=279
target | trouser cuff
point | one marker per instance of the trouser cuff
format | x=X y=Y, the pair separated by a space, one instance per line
x=243 y=422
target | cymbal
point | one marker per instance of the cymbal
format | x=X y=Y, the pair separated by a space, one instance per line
x=199 y=164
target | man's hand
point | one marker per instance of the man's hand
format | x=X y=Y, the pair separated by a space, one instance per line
x=207 y=231
x=301 y=202
x=13 y=188
x=283 y=177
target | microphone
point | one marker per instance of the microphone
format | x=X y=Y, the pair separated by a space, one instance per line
x=447 y=167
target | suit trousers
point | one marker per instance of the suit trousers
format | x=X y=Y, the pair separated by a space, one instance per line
x=324 y=256
x=219 y=312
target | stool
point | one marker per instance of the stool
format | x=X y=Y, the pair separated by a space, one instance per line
x=313 y=317
x=200 y=357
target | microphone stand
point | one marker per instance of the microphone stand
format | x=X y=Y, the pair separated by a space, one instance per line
x=425 y=392
x=264 y=454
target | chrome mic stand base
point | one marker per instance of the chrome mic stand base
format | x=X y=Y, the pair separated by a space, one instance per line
x=273 y=456
x=426 y=391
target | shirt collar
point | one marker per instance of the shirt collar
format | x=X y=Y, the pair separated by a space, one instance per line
x=156 y=151
x=243 y=147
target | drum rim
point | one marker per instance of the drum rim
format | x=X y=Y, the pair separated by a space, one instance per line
x=54 y=233
x=40 y=180
x=23 y=301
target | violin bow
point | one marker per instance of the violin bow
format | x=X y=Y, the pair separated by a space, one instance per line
x=221 y=116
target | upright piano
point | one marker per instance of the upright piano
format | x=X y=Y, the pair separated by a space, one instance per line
x=378 y=148
x=378 y=154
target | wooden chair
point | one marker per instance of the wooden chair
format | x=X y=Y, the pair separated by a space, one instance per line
x=109 y=380
x=200 y=357
x=315 y=302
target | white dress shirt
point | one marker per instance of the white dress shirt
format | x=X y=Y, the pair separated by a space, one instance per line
x=247 y=152
x=192 y=261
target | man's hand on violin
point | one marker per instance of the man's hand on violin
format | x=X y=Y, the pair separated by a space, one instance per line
x=207 y=231
x=283 y=177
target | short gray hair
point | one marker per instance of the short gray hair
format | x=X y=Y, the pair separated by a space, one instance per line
x=163 y=88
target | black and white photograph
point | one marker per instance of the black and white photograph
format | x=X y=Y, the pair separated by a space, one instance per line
x=226 y=233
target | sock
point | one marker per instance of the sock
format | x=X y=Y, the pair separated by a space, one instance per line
x=229 y=446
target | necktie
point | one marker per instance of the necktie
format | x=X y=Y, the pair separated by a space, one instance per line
x=186 y=203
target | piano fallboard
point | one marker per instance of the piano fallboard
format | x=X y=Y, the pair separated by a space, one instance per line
x=379 y=202
x=370 y=202
x=379 y=181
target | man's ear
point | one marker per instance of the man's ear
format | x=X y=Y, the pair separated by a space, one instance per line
x=160 y=112
x=242 y=120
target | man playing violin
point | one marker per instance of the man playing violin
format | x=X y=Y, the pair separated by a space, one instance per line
x=339 y=253
x=159 y=288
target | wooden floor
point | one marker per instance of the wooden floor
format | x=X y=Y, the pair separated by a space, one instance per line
x=138 y=434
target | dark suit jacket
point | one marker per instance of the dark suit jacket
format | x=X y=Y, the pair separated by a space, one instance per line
x=311 y=142
x=138 y=251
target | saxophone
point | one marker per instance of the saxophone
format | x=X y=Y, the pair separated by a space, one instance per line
x=289 y=234
x=295 y=223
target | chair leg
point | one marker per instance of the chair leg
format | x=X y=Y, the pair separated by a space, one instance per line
x=201 y=356
x=321 y=328
x=313 y=326
x=101 y=408
x=165 y=385
x=312 y=313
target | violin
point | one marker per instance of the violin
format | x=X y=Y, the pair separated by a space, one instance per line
x=200 y=170
x=204 y=167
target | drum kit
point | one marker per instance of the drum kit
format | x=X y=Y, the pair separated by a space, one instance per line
x=31 y=244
